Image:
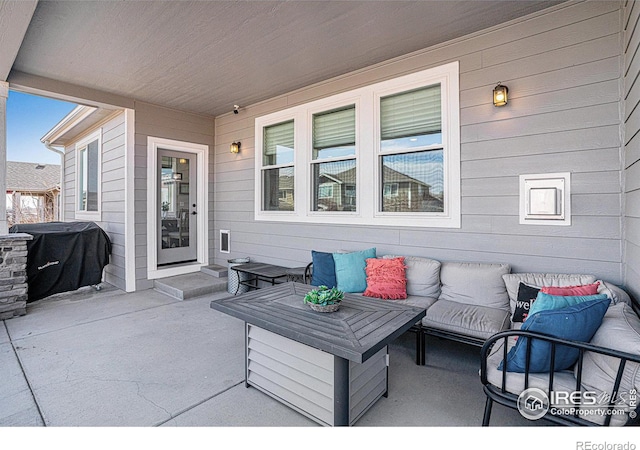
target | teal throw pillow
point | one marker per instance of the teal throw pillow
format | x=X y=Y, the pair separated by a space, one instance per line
x=576 y=323
x=545 y=302
x=350 y=270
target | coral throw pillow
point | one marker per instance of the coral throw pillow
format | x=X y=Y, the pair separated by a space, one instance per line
x=585 y=289
x=386 y=278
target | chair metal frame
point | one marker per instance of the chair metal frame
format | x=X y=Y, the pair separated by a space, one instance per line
x=499 y=394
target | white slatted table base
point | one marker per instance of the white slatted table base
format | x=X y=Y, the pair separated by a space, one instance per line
x=326 y=388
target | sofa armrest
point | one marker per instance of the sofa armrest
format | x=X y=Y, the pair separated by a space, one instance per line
x=502 y=395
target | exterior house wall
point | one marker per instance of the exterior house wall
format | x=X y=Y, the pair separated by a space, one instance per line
x=164 y=123
x=631 y=43
x=563 y=70
x=112 y=182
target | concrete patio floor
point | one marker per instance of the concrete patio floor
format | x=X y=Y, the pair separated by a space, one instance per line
x=114 y=359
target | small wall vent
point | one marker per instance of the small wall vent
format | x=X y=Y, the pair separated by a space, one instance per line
x=225 y=237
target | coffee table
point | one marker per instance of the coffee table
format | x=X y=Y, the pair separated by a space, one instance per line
x=257 y=272
x=331 y=367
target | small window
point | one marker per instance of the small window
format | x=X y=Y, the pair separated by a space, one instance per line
x=277 y=167
x=88 y=177
x=333 y=162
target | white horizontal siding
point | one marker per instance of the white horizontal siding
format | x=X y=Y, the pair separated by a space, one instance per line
x=112 y=191
x=164 y=123
x=631 y=43
x=563 y=70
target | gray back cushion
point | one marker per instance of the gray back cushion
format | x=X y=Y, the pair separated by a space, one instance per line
x=620 y=330
x=423 y=275
x=475 y=284
x=512 y=281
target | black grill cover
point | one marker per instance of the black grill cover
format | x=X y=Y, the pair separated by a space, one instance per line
x=63 y=256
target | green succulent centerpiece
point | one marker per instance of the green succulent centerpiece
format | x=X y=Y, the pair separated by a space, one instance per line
x=324 y=299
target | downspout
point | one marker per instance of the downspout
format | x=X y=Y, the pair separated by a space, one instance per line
x=61 y=200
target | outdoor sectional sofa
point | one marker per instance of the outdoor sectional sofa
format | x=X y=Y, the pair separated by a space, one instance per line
x=484 y=304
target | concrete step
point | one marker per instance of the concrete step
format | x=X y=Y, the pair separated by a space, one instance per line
x=215 y=270
x=190 y=285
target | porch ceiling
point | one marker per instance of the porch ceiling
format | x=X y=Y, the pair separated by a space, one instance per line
x=206 y=56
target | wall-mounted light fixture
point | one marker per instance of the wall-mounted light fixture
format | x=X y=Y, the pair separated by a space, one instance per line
x=235 y=147
x=500 y=95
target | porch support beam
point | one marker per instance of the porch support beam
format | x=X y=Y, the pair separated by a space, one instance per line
x=37 y=85
x=4 y=95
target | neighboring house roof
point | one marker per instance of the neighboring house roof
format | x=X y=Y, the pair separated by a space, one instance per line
x=390 y=176
x=32 y=177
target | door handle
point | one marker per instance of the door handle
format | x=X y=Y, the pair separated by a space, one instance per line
x=193 y=213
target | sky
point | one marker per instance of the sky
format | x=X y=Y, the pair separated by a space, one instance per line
x=29 y=117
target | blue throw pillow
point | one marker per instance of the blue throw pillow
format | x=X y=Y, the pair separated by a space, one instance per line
x=350 y=270
x=324 y=269
x=577 y=323
x=545 y=301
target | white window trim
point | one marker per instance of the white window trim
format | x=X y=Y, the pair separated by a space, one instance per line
x=367 y=154
x=95 y=216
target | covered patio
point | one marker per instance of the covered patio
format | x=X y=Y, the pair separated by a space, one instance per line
x=179 y=363
x=185 y=94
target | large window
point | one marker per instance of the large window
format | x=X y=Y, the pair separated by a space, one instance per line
x=384 y=154
x=411 y=157
x=88 y=177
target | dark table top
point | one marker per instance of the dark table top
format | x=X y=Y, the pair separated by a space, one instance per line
x=358 y=330
x=262 y=270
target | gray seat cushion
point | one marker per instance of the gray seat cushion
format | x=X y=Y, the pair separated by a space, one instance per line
x=417 y=301
x=475 y=284
x=597 y=369
x=470 y=320
x=563 y=380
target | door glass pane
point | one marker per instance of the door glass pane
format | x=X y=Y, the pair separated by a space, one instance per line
x=413 y=182
x=174 y=202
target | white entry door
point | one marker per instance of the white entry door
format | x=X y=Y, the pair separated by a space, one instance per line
x=177 y=207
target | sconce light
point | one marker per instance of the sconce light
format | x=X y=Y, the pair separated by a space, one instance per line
x=235 y=147
x=500 y=95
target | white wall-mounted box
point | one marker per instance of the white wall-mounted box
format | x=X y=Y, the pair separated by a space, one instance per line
x=545 y=199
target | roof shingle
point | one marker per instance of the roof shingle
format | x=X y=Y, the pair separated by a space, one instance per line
x=32 y=177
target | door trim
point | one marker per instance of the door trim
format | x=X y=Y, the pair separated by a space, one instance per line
x=202 y=230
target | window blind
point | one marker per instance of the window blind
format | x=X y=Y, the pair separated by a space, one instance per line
x=334 y=128
x=280 y=135
x=412 y=113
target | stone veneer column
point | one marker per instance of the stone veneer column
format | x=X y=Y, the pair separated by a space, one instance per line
x=13 y=274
